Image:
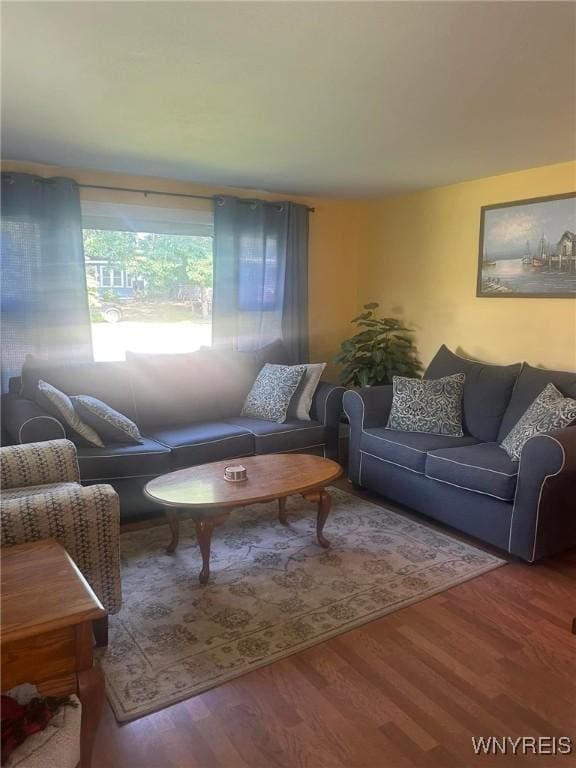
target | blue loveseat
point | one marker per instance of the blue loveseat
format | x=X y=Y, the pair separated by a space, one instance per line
x=526 y=508
x=187 y=408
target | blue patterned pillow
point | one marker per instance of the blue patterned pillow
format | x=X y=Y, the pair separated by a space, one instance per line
x=272 y=392
x=112 y=426
x=427 y=405
x=550 y=410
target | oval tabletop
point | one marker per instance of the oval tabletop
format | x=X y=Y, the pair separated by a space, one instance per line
x=270 y=476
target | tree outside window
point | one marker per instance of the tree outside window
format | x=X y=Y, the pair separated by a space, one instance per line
x=143 y=282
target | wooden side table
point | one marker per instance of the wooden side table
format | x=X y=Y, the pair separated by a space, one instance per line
x=46 y=634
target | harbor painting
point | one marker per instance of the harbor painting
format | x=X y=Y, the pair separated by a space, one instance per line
x=528 y=249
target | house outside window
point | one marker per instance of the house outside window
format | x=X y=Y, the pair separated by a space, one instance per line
x=149 y=278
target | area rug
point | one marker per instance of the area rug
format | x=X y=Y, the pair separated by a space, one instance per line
x=272 y=592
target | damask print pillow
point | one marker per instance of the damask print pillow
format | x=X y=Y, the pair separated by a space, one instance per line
x=273 y=391
x=427 y=405
x=111 y=425
x=59 y=404
x=550 y=410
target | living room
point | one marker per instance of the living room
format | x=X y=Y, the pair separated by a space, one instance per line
x=288 y=384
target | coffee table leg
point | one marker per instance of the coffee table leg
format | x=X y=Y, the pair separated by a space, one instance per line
x=282 y=511
x=174 y=523
x=324 y=507
x=204 y=530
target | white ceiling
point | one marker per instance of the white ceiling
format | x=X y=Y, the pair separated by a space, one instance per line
x=336 y=98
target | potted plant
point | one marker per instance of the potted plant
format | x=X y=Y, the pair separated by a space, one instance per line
x=382 y=348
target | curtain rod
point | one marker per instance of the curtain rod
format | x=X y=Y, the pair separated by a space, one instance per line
x=147 y=192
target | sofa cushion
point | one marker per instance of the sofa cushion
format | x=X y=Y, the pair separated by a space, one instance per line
x=483 y=468
x=203 y=442
x=551 y=410
x=407 y=449
x=292 y=435
x=487 y=390
x=234 y=371
x=173 y=389
x=530 y=384
x=145 y=460
x=233 y=375
x=108 y=381
x=276 y=352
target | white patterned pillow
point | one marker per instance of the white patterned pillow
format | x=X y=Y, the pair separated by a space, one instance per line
x=272 y=392
x=60 y=405
x=111 y=425
x=427 y=405
x=550 y=410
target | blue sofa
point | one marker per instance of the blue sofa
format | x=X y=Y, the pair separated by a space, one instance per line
x=526 y=508
x=187 y=408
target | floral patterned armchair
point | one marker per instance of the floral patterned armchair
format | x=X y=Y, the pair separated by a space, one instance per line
x=42 y=498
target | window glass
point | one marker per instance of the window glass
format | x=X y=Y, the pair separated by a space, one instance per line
x=149 y=291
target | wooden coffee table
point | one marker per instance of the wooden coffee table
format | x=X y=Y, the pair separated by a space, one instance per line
x=204 y=492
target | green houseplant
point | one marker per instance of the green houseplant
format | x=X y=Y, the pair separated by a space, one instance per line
x=383 y=347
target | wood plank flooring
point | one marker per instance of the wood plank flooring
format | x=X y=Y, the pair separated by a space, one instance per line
x=494 y=656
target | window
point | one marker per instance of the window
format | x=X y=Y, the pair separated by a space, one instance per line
x=111 y=278
x=149 y=278
x=105 y=281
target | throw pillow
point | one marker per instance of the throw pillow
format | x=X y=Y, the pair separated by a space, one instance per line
x=427 y=405
x=302 y=402
x=112 y=426
x=487 y=390
x=58 y=403
x=531 y=382
x=272 y=392
x=550 y=410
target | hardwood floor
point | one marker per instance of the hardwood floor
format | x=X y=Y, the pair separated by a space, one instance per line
x=494 y=656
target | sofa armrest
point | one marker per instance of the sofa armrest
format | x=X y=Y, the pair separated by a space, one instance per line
x=26 y=422
x=327 y=409
x=327 y=403
x=544 y=513
x=368 y=407
x=42 y=463
x=86 y=521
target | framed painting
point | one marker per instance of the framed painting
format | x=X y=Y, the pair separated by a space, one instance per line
x=528 y=249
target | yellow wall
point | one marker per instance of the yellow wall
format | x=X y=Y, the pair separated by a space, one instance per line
x=334 y=232
x=419 y=260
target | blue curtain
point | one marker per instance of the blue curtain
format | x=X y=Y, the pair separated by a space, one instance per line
x=260 y=275
x=44 y=302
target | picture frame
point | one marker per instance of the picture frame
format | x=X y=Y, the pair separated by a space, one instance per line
x=527 y=248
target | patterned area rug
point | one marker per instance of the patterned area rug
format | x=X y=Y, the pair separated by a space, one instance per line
x=273 y=591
